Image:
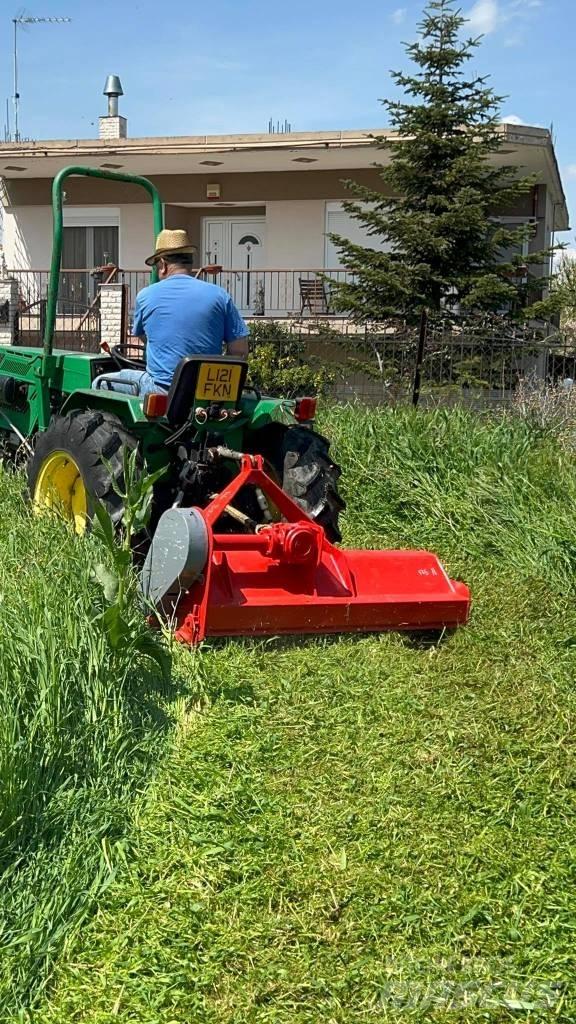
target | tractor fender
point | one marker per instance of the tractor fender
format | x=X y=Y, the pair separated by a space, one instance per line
x=127 y=408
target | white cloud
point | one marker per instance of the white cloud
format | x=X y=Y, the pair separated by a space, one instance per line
x=515 y=40
x=570 y=171
x=512 y=119
x=511 y=17
x=398 y=15
x=484 y=16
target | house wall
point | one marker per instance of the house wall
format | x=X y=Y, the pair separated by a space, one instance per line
x=136 y=235
x=295 y=233
x=294 y=204
x=28 y=237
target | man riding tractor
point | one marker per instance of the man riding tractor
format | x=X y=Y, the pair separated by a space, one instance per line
x=180 y=315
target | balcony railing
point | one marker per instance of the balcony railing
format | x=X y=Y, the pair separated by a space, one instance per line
x=279 y=294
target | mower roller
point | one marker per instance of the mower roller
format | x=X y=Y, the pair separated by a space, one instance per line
x=243 y=534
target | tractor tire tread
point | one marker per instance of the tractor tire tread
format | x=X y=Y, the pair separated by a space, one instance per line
x=311 y=477
x=96 y=441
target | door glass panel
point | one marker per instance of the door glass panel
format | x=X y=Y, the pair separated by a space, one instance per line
x=105 y=246
x=248 y=259
x=73 y=287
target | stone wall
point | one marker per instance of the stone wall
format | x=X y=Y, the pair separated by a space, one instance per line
x=112 y=314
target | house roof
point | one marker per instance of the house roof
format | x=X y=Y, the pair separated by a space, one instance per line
x=530 y=148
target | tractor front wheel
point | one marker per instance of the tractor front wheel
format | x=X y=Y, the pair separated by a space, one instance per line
x=79 y=457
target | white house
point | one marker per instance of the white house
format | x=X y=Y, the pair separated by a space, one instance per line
x=261 y=206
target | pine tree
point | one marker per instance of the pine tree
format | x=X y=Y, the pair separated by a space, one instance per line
x=440 y=193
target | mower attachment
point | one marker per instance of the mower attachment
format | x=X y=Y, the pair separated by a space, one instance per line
x=287 y=577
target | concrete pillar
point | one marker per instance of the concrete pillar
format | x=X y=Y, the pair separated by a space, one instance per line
x=8 y=310
x=112 y=314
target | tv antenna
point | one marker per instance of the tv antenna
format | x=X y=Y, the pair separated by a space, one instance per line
x=19 y=21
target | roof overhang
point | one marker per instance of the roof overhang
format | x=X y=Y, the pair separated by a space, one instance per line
x=530 y=149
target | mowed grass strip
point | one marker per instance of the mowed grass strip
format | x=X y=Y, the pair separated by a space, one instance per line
x=362 y=829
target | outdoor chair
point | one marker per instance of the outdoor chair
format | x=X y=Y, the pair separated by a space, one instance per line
x=313 y=296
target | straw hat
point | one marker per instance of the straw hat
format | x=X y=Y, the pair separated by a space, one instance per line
x=168 y=242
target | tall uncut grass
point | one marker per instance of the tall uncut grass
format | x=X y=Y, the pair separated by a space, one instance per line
x=81 y=727
x=491 y=494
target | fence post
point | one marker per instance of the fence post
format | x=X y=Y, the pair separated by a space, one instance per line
x=419 y=357
x=112 y=314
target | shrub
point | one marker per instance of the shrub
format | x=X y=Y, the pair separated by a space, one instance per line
x=280 y=364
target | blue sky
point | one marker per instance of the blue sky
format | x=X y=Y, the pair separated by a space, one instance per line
x=229 y=66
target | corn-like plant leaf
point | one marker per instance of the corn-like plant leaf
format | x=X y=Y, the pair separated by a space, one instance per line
x=116 y=627
x=148 y=646
x=122 y=558
x=108 y=580
x=104 y=525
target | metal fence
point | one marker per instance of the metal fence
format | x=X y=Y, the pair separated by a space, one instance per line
x=283 y=293
x=77 y=327
x=475 y=362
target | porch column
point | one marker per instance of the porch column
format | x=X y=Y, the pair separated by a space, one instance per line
x=113 y=326
x=8 y=310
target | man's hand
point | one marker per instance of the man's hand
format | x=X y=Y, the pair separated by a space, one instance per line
x=239 y=348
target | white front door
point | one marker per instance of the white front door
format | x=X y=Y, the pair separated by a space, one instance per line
x=238 y=245
x=248 y=257
x=215 y=248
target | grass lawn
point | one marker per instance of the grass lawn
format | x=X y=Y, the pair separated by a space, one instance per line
x=364 y=829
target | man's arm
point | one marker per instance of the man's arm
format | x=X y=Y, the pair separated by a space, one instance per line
x=235 y=332
x=238 y=347
x=137 y=322
x=138 y=332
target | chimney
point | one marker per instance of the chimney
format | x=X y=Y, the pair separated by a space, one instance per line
x=112 y=126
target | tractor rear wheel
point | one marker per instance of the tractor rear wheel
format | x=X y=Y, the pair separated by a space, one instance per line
x=302 y=465
x=79 y=456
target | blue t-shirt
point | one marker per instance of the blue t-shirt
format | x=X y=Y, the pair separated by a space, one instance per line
x=184 y=316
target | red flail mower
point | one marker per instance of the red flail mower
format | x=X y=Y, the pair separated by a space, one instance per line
x=287 y=578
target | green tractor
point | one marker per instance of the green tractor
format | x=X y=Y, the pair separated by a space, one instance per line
x=245 y=504
x=79 y=435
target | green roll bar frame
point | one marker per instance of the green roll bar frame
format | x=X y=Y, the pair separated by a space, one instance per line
x=55 y=266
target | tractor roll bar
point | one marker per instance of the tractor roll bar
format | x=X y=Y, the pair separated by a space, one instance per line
x=87 y=172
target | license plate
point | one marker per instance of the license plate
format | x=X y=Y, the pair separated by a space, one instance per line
x=218 y=383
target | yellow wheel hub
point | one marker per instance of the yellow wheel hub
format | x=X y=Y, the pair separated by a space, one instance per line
x=60 y=487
